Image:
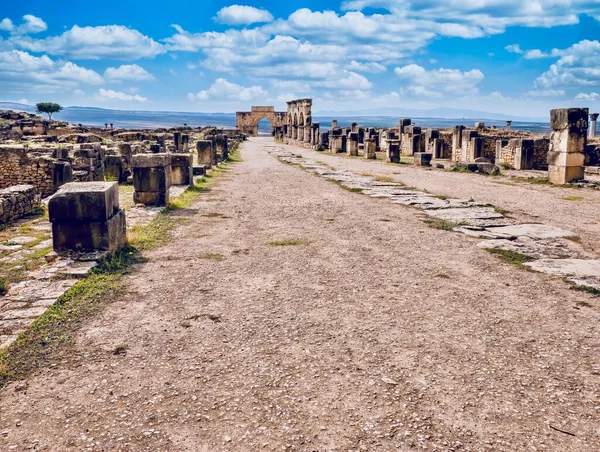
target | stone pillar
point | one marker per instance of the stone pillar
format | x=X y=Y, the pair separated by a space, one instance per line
x=437 y=147
x=393 y=153
x=86 y=217
x=567 y=144
x=324 y=139
x=205 y=151
x=125 y=150
x=370 y=148
x=62 y=173
x=114 y=168
x=300 y=134
x=402 y=124
x=352 y=144
x=593 y=120
x=476 y=149
x=177 y=141
x=185 y=143
x=524 y=155
x=334 y=124
x=508 y=125
x=151 y=179
x=457 y=142
x=182 y=169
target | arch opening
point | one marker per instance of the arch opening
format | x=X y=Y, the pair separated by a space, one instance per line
x=264 y=128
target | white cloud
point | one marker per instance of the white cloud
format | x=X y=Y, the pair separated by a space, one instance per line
x=366 y=67
x=535 y=54
x=104 y=94
x=590 y=96
x=484 y=17
x=243 y=15
x=128 y=72
x=546 y=93
x=435 y=83
x=31 y=25
x=106 y=41
x=6 y=24
x=514 y=48
x=22 y=67
x=222 y=89
x=579 y=65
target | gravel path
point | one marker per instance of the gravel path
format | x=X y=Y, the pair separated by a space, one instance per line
x=371 y=332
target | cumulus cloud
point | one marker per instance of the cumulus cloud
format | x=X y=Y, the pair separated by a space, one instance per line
x=373 y=67
x=93 y=43
x=26 y=69
x=222 y=89
x=243 y=15
x=589 y=97
x=31 y=25
x=128 y=72
x=578 y=65
x=104 y=94
x=421 y=82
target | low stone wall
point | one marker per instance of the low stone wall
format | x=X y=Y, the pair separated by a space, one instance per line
x=17 y=201
x=18 y=166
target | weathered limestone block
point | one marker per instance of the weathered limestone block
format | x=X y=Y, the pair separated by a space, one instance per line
x=151 y=178
x=437 y=147
x=62 y=173
x=370 y=148
x=85 y=216
x=567 y=144
x=423 y=158
x=182 y=169
x=524 y=155
x=114 y=167
x=475 y=150
x=205 y=152
x=185 y=143
x=352 y=144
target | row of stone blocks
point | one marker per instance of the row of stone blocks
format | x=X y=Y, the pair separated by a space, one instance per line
x=86 y=217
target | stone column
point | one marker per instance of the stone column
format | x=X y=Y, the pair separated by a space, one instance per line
x=593 y=120
x=370 y=148
x=182 y=169
x=508 y=125
x=352 y=143
x=204 y=149
x=334 y=124
x=567 y=144
x=524 y=155
x=86 y=217
x=151 y=179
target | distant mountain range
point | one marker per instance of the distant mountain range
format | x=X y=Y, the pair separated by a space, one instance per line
x=440 y=112
x=378 y=117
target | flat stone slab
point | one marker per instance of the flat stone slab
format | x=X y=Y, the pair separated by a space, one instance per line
x=23 y=240
x=533 y=248
x=28 y=313
x=465 y=214
x=34 y=290
x=483 y=234
x=534 y=231
x=582 y=268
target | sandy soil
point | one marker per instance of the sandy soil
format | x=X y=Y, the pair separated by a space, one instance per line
x=375 y=333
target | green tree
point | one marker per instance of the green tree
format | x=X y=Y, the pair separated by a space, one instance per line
x=48 y=107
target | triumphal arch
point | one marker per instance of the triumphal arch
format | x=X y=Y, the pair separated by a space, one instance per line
x=247 y=121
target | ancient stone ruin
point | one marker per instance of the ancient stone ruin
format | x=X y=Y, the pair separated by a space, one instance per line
x=247 y=122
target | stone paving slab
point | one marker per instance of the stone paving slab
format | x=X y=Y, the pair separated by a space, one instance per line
x=534 y=231
x=546 y=244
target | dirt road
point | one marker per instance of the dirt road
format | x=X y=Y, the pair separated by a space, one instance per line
x=291 y=314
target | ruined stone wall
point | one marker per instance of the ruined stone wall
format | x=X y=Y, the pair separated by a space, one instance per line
x=17 y=201
x=489 y=148
x=18 y=166
x=541 y=146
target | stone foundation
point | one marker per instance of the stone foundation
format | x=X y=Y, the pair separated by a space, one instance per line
x=17 y=201
x=151 y=179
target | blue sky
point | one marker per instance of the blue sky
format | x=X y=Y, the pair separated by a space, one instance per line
x=517 y=57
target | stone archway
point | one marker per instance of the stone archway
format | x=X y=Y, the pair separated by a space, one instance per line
x=247 y=122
